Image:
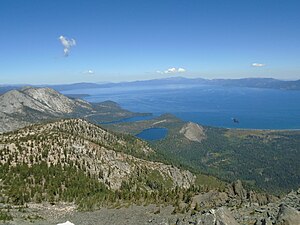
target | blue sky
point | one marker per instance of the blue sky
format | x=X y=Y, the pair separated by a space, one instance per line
x=142 y=39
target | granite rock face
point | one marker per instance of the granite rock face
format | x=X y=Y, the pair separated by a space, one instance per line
x=19 y=108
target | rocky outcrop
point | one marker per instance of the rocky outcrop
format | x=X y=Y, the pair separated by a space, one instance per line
x=240 y=195
x=239 y=190
x=193 y=132
x=248 y=207
x=234 y=206
x=282 y=211
x=219 y=216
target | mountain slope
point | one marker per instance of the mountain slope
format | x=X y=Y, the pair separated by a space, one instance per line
x=69 y=147
x=19 y=108
x=30 y=105
x=43 y=100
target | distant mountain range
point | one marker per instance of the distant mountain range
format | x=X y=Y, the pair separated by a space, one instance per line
x=244 y=82
x=258 y=83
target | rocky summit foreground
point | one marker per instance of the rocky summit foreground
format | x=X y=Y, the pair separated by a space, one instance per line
x=284 y=211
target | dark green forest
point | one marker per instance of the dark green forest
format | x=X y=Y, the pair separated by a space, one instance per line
x=265 y=160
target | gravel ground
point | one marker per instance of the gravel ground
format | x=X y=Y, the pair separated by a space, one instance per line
x=133 y=215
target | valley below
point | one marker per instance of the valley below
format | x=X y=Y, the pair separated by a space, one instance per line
x=255 y=156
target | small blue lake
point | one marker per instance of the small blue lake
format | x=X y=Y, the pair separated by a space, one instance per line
x=153 y=134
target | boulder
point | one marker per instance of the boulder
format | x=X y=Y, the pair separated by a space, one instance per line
x=287 y=216
x=220 y=216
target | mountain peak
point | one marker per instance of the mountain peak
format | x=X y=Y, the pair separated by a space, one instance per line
x=52 y=99
x=32 y=104
x=28 y=105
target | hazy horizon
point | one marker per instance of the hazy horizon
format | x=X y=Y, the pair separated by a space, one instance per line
x=136 y=80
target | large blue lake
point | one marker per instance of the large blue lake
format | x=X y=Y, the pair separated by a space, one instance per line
x=208 y=105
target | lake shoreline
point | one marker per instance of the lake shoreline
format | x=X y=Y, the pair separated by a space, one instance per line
x=255 y=108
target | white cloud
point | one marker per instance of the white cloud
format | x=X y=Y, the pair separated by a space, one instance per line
x=67 y=44
x=181 y=70
x=89 y=72
x=172 y=70
x=258 y=64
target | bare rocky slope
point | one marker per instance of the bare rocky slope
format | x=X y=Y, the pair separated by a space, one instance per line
x=28 y=105
x=193 y=132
